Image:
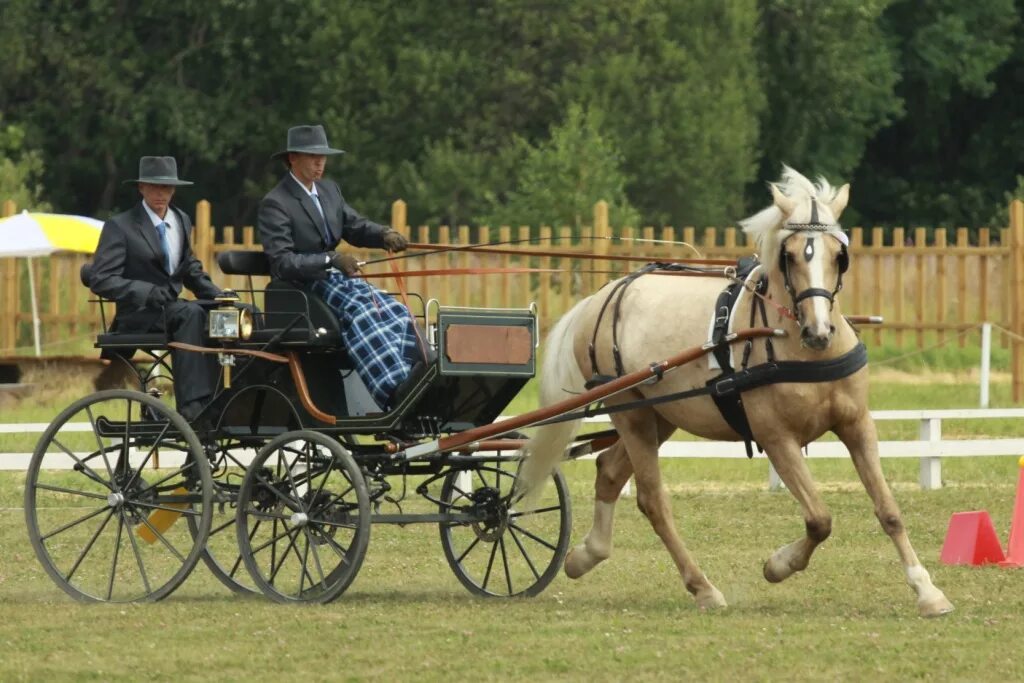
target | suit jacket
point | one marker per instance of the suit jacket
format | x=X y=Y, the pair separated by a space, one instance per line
x=291 y=229
x=130 y=262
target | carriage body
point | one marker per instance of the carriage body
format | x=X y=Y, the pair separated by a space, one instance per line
x=291 y=462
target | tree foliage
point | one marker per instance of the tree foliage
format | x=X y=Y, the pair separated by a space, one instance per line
x=455 y=106
x=21 y=171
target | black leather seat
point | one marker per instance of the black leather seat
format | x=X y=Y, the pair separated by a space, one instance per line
x=284 y=302
x=114 y=340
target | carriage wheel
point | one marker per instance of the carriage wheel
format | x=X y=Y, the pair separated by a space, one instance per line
x=507 y=550
x=303 y=522
x=222 y=555
x=108 y=482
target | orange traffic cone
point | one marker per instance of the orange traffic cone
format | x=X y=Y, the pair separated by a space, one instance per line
x=971 y=539
x=1015 y=547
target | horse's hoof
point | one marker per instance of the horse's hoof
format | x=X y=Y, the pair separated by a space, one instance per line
x=710 y=599
x=937 y=607
x=576 y=565
x=774 y=573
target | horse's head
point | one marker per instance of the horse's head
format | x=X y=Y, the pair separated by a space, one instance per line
x=805 y=248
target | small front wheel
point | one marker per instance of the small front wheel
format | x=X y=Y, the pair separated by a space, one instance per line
x=498 y=547
x=303 y=520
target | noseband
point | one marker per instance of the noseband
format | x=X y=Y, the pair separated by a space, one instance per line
x=843 y=262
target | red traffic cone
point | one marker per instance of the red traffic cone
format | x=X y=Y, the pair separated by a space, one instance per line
x=971 y=539
x=1015 y=547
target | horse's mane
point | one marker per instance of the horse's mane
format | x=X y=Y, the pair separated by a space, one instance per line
x=766 y=226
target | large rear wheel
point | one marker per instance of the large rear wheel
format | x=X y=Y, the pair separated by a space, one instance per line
x=108 y=482
x=303 y=522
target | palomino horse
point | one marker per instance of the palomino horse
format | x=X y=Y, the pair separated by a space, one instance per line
x=802 y=252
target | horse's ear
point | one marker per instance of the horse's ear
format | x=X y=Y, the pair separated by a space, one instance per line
x=786 y=204
x=839 y=203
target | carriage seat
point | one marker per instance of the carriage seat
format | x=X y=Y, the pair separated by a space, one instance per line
x=283 y=302
x=114 y=340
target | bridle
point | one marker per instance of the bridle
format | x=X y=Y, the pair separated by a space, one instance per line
x=843 y=261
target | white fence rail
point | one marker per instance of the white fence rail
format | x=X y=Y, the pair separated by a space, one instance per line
x=929 y=447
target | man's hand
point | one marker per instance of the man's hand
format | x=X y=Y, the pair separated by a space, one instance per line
x=159 y=297
x=346 y=263
x=395 y=241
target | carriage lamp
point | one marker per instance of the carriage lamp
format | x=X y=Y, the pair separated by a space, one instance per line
x=230 y=322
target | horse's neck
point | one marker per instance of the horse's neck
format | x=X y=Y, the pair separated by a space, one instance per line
x=789 y=346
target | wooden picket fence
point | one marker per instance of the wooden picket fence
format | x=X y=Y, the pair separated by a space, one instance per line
x=930 y=285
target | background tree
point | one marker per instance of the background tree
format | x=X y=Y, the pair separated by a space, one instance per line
x=560 y=179
x=829 y=76
x=21 y=171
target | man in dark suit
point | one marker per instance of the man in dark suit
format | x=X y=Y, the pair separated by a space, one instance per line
x=301 y=222
x=143 y=260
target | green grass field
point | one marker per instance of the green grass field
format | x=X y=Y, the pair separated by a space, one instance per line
x=850 y=616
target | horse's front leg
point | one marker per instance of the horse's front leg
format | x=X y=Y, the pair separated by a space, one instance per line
x=787 y=460
x=861 y=439
x=613 y=471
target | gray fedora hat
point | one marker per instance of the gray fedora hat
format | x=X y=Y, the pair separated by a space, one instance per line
x=307 y=140
x=158 y=171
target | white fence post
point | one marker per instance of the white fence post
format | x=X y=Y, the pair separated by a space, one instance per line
x=986 y=354
x=931 y=467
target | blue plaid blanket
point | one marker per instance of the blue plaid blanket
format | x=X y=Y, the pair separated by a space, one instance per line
x=378 y=332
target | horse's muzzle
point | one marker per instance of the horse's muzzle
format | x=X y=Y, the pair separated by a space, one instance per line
x=815 y=339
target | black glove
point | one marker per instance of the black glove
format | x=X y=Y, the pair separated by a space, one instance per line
x=395 y=241
x=346 y=263
x=159 y=297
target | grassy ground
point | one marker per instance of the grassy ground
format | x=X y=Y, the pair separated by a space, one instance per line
x=850 y=616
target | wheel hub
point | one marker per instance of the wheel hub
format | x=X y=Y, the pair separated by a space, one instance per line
x=299 y=519
x=115 y=499
x=493 y=514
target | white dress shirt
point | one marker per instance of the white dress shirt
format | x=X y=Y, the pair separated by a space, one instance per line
x=175 y=232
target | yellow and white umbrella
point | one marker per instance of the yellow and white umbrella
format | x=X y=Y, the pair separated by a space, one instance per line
x=41 y=234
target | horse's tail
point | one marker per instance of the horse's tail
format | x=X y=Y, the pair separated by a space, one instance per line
x=560 y=377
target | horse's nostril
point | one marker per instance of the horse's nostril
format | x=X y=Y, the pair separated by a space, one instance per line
x=831 y=329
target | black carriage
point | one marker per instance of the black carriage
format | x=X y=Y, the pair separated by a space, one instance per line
x=276 y=485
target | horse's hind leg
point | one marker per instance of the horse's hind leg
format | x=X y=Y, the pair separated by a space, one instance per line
x=793 y=470
x=642 y=431
x=613 y=471
x=861 y=440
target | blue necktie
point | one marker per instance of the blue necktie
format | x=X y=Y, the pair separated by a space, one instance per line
x=327 y=231
x=162 y=229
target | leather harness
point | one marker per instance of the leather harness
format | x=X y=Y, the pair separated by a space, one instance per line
x=726 y=389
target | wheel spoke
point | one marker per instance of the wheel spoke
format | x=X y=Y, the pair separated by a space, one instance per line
x=138 y=559
x=516 y=515
x=99 y=442
x=74 y=523
x=180 y=471
x=340 y=551
x=275 y=537
x=490 y=565
x=86 y=470
x=533 y=536
x=526 y=556
x=284 y=555
x=466 y=551
x=504 y=561
x=75 y=492
x=88 y=547
x=145 y=460
x=117 y=552
x=155 y=506
x=316 y=559
x=238 y=560
x=163 y=540
x=292 y=503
